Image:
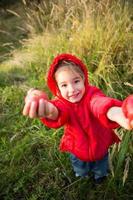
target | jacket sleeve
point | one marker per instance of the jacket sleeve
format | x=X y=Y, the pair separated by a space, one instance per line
x=61 y=119
x=100 y=104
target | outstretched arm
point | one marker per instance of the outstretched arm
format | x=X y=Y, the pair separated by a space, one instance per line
x=116 y=114
x=112 y=112
x=123 y=115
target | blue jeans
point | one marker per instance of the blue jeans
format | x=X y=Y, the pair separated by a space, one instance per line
x=81 y=168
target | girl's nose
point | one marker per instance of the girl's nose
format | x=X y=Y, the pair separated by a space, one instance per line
x=71 y=88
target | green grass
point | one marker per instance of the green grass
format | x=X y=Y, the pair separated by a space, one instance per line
x=32 y=167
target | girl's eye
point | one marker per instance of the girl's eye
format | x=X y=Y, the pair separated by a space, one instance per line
x=77 y=81
x=64 y=85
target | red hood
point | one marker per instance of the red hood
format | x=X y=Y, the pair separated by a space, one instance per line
x=67 y=57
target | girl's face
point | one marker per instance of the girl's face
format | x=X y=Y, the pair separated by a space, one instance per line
x=70 y=84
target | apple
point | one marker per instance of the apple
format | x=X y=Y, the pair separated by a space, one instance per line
x=36 y=96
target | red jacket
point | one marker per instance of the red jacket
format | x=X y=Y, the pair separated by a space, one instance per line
x=87 y=131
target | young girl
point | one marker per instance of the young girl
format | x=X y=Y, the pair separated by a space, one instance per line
x=88 y=116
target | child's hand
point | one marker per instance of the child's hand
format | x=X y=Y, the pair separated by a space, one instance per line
x=36 y=105
x=116 y=114
x=127 y=108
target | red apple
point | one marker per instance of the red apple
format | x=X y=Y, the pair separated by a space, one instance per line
x=37 y=96
x=127 y=107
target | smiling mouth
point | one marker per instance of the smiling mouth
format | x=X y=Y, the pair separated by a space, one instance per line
x=74 y=95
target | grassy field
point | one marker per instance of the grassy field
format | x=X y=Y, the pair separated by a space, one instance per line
x=100 y=33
